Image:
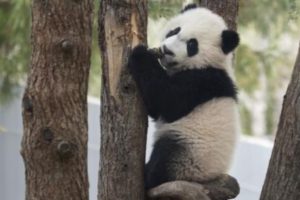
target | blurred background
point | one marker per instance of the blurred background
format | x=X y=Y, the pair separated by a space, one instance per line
x=269 y=31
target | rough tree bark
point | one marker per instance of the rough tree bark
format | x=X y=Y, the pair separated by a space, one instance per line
x=283 y=176
x=228 y=9
x=54 y=145
x=122 y=25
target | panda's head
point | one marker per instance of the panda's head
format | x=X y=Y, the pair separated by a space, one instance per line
x=197 y=38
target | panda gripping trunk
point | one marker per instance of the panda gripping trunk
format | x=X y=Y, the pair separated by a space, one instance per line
x=188 y=89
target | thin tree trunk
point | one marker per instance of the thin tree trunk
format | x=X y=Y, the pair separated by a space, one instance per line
x=5 y=4
x=228 y=9
x=122 y=25
x=283 y=177
x=54 y=145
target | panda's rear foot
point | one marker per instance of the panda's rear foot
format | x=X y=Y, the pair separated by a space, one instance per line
x=222 y=188
x=178 y=190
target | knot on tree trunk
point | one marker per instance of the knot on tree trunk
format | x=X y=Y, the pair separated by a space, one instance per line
x=47 y=134
x=67 y=45
x=224 y=187
x=65 y=149
x=27 y=105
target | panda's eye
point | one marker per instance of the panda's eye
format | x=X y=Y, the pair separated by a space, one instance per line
x=173 y=32
x=192 y=47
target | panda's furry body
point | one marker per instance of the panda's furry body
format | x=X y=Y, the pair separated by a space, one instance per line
x=191 y=96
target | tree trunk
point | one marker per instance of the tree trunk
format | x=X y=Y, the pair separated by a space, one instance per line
x=54 y=145
x=122 y=25
x=283 y=179
x=228 y=9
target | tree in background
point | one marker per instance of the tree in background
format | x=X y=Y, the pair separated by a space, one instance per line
x=54 y=145
x=283 y=180
x=122 y=25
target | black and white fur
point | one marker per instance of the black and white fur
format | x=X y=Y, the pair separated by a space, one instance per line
x=191 y=96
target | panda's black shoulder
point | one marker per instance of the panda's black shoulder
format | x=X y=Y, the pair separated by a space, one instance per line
x=207 y=73
x=208 y=79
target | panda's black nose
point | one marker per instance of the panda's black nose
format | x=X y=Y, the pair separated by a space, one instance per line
x=167 y=51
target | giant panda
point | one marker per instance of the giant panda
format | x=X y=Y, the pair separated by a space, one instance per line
x=190 y=93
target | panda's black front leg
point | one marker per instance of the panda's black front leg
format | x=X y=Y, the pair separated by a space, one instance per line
x=149 y=76
x=143 y=64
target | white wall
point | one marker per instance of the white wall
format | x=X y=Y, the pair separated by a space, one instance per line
x=249 y=167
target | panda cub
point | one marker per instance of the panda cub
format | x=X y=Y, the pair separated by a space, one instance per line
x=191 y=96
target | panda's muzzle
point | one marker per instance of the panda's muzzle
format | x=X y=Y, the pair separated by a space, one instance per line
x=166 y=51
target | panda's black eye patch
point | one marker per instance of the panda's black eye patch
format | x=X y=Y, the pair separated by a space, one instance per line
x=173 y=32
x=192 y=47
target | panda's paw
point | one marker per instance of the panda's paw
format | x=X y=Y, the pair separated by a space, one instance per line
x=139 y=51
x=141 y=55
x=141 y=60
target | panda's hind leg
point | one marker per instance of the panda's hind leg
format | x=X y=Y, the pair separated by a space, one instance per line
x=167 y=152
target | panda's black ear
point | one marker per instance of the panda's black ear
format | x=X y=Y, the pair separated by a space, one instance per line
x=230 y=40
x=189 y=7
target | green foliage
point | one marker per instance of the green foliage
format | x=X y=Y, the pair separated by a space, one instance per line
x=95 y=71
x=246 y=120
x=268 y=16
x=14 y=45
x=247 y=69
x=164 y=8
x=267 y=21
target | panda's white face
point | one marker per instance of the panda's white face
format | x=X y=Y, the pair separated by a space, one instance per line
x=194 y=39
